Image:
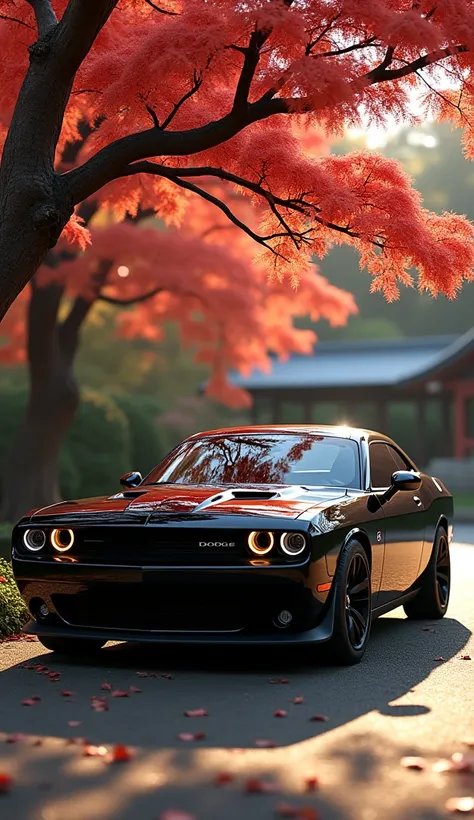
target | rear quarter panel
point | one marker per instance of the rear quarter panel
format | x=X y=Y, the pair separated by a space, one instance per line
x=440 y=506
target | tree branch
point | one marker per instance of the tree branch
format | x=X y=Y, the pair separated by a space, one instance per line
x=133 y=300
x=15 y=20
x=69 y=329
x=160 y=10
x=195 y=87
x=380 y=74
x=46 y=19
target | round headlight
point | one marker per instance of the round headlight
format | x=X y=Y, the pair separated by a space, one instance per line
x=62 y=540
x=260 y=542
x=34 y=540
x=293 y=543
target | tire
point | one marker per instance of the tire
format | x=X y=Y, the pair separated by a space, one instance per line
x=351 y=623
x=433 y=598
x=71 y=646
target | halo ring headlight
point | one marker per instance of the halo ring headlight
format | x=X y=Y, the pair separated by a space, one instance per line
x=293 y=543
x=34 y=540
x=62 y=539
x=261 y=542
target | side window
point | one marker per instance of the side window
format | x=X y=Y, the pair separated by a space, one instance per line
x=399 y=461
x=382 y=465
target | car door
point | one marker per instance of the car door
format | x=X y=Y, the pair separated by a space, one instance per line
x=404 y=523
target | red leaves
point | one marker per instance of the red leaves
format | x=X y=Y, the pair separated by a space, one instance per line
x=319 y=718
x=99 y=705
x=265 y=744
x=187 y=737
x=298 y=700
x=418 y=764
x=3 y=580
x=134 y=690
x=460 y=805
x=17 y=737
x=312 y=784
x=31 y=701
x=278 y=680
x=6 y=782
x=176 y=814
x=196 y=713
x=223 y=778
x=300 y=812
x=439 y=659
x=106 y=687
x=465 y=658
x=121 y=754
x=74 y=723
x=142 y=674
x=66 y=693
x=120 y=693
x=280 y=713
x=257 y=786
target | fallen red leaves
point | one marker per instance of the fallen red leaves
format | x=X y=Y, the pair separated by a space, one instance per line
x=301 y=812
x=74 y=723
x=278 y=680
x=99 y=705
x=440 y=658
x=265 y=744
x=66 y=693
x=176 y=814
x=121 y=754
x=319 y=718
x=196 y=713
x=6 y=782
x=31 y=701
x=120 y=693
x=460 y=805
x=107 y=687
x=222 y=778
x=255 y=785
x=280 y=713
x=134 y=690
x=298 y=700
x=187 y=737
x=465 y=658
x=17 y=737
x=312 y=784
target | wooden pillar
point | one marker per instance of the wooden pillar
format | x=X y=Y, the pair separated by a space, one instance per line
x=421 y=428
x=459 y=422
x=446 y=426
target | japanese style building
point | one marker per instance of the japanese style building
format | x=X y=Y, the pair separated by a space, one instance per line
x=362 y=382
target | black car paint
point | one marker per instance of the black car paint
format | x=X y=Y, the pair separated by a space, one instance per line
x=222 y=595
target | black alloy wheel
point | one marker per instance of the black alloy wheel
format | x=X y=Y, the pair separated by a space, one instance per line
x=432 y=599
x=352 y=606
x=357 y=600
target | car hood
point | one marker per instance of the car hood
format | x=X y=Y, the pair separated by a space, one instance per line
x=154 y=500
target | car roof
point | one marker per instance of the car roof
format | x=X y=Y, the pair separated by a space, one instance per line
x=339 y=431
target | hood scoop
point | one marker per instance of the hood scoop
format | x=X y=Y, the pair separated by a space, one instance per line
x=237 y=495
x=127 y=494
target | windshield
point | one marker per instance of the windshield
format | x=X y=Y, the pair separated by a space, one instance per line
x=262 y=458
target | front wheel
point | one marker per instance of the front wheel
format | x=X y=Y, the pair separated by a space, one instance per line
x=71 y=646
x=432 y=599
x=352 y=606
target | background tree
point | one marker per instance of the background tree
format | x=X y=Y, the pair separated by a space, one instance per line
x=221 y=83
x=226 y=308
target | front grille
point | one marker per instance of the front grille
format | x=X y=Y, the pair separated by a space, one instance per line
x=158 y=546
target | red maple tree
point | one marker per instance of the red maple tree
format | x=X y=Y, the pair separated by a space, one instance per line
x=185 y=89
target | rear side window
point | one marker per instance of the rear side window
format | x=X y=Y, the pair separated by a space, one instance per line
x=384 y=461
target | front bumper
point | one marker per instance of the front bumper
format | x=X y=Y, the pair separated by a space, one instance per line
x=175 y=605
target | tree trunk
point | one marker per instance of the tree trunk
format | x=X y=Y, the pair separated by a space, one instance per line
x=31 y=473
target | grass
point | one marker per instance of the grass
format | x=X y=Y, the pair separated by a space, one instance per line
x=13 y=613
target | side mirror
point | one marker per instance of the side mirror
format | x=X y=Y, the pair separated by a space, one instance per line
x=131 y=480
x=404 y=480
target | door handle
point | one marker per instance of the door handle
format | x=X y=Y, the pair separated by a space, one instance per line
x=418 y=501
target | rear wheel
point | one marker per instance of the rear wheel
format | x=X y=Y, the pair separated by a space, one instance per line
x=352 y=606
x=71 y=646
x=433 y=597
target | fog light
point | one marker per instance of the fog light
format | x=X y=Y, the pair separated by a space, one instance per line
x=34 y=540
x=43 y=611
x=293 y=543
x=39 y=609
x=62 y=540
x=283 y=619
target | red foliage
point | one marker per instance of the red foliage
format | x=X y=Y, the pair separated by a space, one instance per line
x=170 y=80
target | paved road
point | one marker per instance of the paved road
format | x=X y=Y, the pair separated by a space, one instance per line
x=399 y=701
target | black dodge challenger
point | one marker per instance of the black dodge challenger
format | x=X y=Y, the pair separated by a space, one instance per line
x=254 y=535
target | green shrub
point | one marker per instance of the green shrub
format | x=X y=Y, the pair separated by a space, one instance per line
x=13 y=612
x=98 y=446
x=147 y=446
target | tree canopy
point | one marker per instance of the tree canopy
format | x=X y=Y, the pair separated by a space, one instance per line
x=174 y=93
